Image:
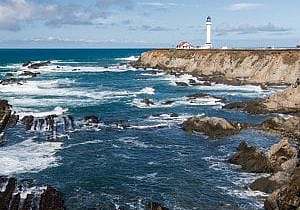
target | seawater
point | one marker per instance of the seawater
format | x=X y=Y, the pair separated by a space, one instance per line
x=152 y=159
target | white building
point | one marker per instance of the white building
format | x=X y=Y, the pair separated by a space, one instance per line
x=184 y=45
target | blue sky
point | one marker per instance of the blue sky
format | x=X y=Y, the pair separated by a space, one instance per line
x=147 y=23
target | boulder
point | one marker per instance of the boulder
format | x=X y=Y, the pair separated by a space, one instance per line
x=28 y=121
x=280 y=153
x=10 y=196
x=211 y=126
x=183 y=84
x=29 y=73
x=91 y=119
x=265 y=184
x=155 y=206
x=251 y=160
x=147 y=101
x=51 y=199
x=38 y=65
x=252 y=107
x=287 y=126
x=287 y=197
x=169 y=102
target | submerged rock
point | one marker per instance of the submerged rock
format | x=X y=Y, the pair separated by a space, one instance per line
x=29 y=73
x=147 y=102
x=183 y=84
x=38 y=65
x=155 y=206
x=251 y=160
x=91 y=119
x=211 y=126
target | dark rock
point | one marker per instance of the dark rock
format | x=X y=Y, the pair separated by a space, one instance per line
x=174 y=115
x=181 y=84
x=252 y=107
x=29 y=73
x=197 y=95
x=38 y=65
x=251 y=160
x=51 y=199
x=91 y=119
x=27 y=64
x=9 y=81
x=211 y=126
x=6 y=196
x=169 y=102
x=28 y=202
x=147 y=101
x=264 y=184
x=155 y=206
x=28 y=121
x=15 y=203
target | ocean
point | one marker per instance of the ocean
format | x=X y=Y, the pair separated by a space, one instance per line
x=136 y=153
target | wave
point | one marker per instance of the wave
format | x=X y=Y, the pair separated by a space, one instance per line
x=57 y=111
x=130 y=58
x=147 y=90
x=28 y=156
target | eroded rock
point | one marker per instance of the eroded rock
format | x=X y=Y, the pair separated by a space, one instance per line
x=251 y=160
x=211 y=126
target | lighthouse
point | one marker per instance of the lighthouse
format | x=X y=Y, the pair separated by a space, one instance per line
x=208 y=43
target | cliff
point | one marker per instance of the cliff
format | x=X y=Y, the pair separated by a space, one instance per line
x=248 y=66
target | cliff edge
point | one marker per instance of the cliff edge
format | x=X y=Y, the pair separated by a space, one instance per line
x=247 y=66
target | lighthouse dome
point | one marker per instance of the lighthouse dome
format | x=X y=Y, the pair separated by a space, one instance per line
x=208 y=19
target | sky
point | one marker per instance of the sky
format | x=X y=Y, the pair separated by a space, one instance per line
x=147 y=23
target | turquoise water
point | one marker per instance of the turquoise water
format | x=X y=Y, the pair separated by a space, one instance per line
x=149 y=159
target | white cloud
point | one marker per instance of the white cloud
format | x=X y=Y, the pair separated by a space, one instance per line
x=13 y=12
x=251 y=29
x=244 y=6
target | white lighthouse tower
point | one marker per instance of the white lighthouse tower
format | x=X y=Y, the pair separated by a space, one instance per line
x=208 y=43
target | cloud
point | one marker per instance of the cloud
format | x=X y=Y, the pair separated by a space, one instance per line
x=251 y=29
x=14 y=14
x=244 y=6
x=149 y=28
x=123 y=4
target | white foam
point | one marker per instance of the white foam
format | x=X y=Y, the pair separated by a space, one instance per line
x=130 y=58
x=28 y=156
x=57 y=111
x=147 y=90
x=84 y=143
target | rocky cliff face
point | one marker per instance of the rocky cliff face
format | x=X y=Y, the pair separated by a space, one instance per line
x=250 y=66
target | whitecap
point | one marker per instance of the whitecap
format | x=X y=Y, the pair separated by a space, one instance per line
x=130 y=58
x=57 y=111
x=147 y=90
x=28 y=156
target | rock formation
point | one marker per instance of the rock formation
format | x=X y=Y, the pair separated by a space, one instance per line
x=287 y=101
x=211 y=126
x=288 y=126
x=42 y=199
x=245 y=66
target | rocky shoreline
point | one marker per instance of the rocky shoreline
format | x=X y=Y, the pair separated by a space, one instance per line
x=281 y=161
x=240 y=67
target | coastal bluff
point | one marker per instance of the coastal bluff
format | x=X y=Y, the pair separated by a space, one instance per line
x=251 y=66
